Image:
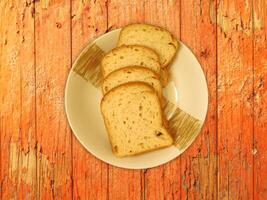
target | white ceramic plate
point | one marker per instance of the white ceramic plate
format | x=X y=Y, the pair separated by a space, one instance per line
x=82 y=103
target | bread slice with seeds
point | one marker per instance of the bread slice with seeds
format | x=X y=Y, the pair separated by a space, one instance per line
x=128 y=56
x=132 y=74
x=156 y=38
x=133 y=118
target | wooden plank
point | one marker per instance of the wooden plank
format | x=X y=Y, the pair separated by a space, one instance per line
x=90 y=175
x=165 y=14
x=120 y=13
x=235 y=99
x=124 y=184
x=17 y=101
x=53 y=60
x=161 y=13
x=163 y=182
x=198 y=163
x=260 y=99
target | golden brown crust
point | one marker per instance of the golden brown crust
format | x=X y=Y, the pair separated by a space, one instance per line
x=164 y=76
x=136 y=45
x=131 y=67
x=110 y=92
x=151 y=25
x=114 y=50
x=163 y=120
x=167 y=66
x=125 y=85
x=109 y=137
x=147 y=151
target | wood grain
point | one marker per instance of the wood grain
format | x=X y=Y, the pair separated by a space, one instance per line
x=235 y=99
x=198 y=163
x=160 y=181
x=121 y=13
x=90 y=175
x=163 y=182
x=123 y=183
x=41 y=159
x=53 y=60
x=17 y=101
x=260 y=99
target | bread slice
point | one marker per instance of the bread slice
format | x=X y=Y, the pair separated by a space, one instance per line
x=132 y=74
x=156 y=38
x=128 y=56
x=133 y=118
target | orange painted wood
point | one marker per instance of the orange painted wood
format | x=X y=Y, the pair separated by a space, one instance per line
x=260 y=99
x=198 y=163
x=154 y=184
x=123 y=183
x=17 y=101
x=121 y=13
x=163 y=13
x=40 y=158
x=235 y=99
x=163 y=181
x=53 y=61
x=90 y=175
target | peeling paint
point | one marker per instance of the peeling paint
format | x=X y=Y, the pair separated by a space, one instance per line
x=12 y=57
x=20 y=159
x=212 y=13
x=232 y=22
x=44 y=3
x=47 y=3
x=227 y=25
x=254 y=151
x=258 y=23
x=22 y=165
x=247 y=5
x=48 y=173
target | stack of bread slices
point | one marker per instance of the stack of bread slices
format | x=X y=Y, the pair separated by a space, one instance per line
x=132 y=89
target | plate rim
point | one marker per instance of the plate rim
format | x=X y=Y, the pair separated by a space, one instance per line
x=71 y=72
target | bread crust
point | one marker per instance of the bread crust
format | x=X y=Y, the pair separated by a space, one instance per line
x=130 y=67
x=136 y=83
x=151 y=25
x=114 y=50
x=166 y=59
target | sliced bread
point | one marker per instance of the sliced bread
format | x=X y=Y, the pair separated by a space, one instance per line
x=156 y=38
x=128 y=56
x=132 y=74
x=133 y=118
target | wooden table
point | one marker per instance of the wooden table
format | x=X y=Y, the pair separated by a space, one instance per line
x=41 y=159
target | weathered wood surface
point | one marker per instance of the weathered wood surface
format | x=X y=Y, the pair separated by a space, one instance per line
x=90 y=175
x=17 y=101
x=41 y=159
x=260 y=98
x=119 y=178
x=199 y=163
x=53 y=61
x=235 y=99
